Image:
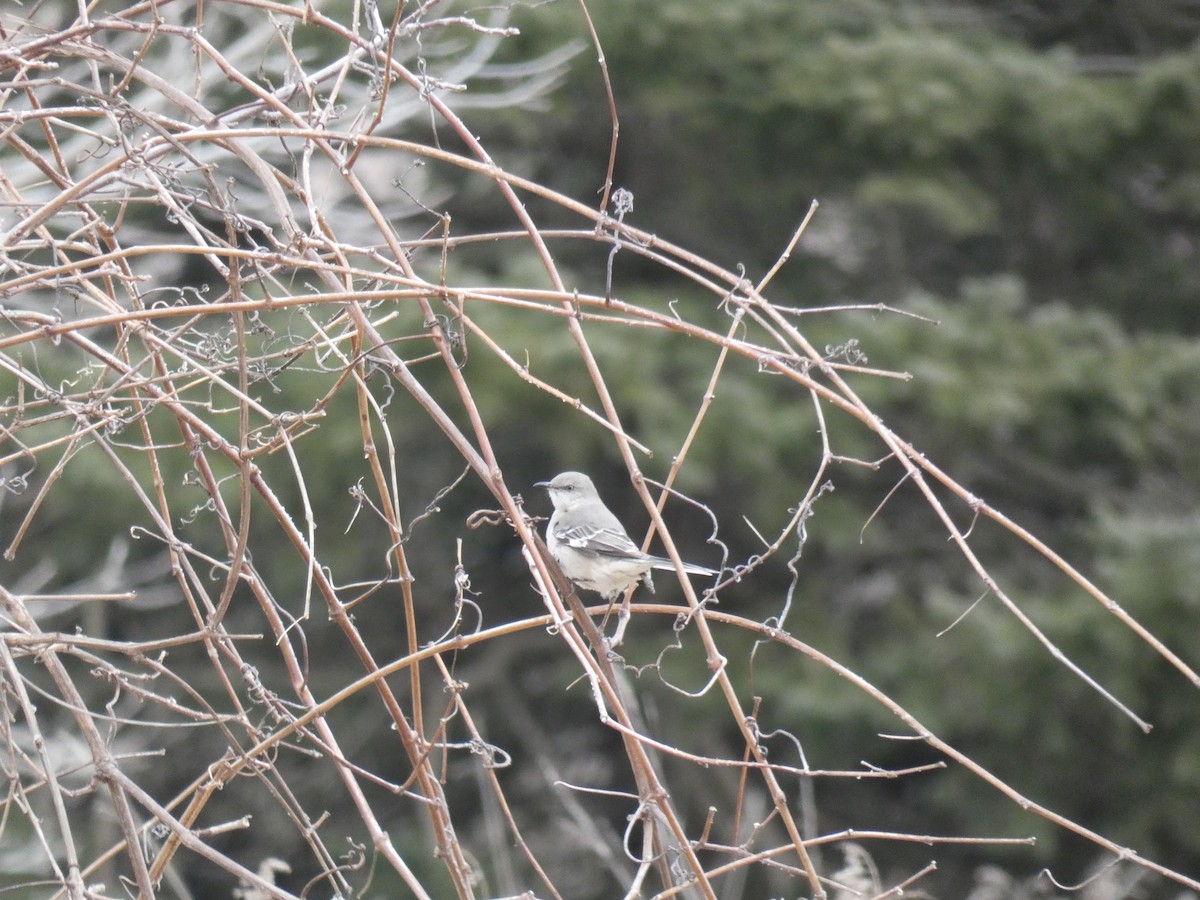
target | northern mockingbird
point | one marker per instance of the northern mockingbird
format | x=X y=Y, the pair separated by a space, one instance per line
x=589 y=544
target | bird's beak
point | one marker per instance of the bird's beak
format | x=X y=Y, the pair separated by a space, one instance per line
x=541 y=484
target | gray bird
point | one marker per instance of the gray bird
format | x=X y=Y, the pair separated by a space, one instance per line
x=590 y=545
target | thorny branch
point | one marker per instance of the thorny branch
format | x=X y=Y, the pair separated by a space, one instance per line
x=206 y=266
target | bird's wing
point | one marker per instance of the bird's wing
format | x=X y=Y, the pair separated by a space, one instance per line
x=600 y=541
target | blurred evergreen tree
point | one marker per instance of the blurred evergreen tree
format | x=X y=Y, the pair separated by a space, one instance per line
x=943 y=141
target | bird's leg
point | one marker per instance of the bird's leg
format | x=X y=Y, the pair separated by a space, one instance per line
x=624 y=614
x=612 y=603
x=622 y=621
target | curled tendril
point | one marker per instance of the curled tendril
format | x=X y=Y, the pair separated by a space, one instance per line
x=16 y=484
x=483 y=517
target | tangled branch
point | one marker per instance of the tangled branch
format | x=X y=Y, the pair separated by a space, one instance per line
x=218 y=251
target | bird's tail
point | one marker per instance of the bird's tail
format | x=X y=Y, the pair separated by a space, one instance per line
x=667 y=566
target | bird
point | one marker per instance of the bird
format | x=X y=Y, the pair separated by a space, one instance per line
x=590 y=545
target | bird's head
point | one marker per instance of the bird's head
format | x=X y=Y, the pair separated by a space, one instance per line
x=569 y=489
